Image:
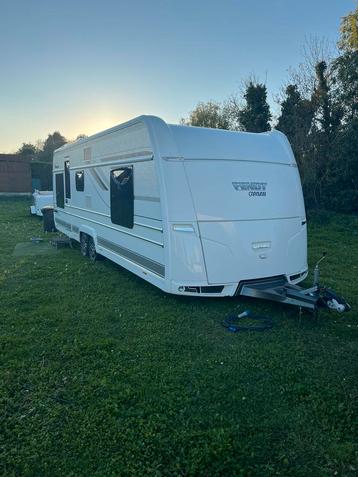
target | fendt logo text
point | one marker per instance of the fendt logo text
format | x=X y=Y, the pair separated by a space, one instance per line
x=252 y=188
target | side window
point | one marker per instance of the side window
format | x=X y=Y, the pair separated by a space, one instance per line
x=80 y=181
x=67 y=180
x=60 y=198
x=122 y=197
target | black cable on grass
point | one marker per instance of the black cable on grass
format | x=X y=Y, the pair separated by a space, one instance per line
x=232 y=322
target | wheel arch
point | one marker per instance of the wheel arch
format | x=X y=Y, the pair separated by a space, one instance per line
x=90 y=231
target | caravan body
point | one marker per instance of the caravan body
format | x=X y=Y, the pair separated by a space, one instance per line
x=191 y=210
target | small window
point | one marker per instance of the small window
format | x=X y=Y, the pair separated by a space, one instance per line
x=122 y=197
x=80 y=181
x=67 y=180
x=60 y=199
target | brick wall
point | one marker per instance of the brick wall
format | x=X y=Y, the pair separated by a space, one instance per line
x=15 y=173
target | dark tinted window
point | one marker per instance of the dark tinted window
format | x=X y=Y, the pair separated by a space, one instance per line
x=122 y=197
x=67 y=180
x=60 y=199
x=80 y=181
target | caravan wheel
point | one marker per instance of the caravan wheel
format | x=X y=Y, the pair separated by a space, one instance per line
x=92 y=250
x=84 y=244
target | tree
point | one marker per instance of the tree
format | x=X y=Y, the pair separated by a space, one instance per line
x=345 y=76
x=342 y=187
x=324 y=136
x=53 y=142
x=209 y=115
x=327 y=154
x=328 y=112
x=295 y=122
x=27 y=149
x=296 y=116
x=255 y=116
x=313 y=51
x=349 y=32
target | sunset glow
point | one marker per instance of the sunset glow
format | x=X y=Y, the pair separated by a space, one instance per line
x=79 y=67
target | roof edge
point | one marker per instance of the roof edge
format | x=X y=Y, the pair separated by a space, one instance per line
x=144 y=118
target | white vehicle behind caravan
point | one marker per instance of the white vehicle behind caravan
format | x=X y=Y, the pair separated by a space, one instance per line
x=41 y=199
x=191 y=210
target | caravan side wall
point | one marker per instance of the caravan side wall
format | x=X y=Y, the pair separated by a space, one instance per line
x=87 y=205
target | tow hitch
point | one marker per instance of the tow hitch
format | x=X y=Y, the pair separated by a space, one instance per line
x=280 y=290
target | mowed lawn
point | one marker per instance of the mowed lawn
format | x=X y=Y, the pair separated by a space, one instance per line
x=104 y=375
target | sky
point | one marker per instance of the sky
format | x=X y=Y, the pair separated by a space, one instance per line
x=82 y=66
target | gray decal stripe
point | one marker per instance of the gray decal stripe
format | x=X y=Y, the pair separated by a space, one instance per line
x=116 y=162
x=129 y=155
x=63 y=223
x=98 y=179
x=122 y=231
x=145 y=262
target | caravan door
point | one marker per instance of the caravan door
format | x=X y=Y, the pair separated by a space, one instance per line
x=67 y=177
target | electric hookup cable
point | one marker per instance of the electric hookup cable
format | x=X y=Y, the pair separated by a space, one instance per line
x=232 y=322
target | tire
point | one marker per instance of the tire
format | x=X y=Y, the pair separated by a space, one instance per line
x=73 y=243
x=84 y=244
x=93 y=255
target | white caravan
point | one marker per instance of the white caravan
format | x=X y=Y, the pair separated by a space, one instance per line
x=194 y=211
x=41 y=199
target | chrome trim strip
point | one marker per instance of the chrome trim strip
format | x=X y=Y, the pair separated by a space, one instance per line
x=88 y=210
x=172 y=158
x=190 y=159
x=148 y=226
x=147 y=198
x=116 y=229
x=145 y=262
x=247 y=220
x=149 y=218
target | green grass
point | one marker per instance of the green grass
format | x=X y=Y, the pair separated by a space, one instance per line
x=104 y=375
